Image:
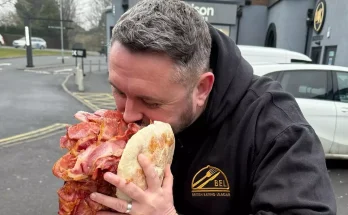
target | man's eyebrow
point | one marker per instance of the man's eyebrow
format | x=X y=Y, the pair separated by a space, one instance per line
x=139 y=96
x=147 y=98
x=112 y=84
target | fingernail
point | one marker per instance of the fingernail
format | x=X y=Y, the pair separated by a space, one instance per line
x=107 y=175
x=93 y=196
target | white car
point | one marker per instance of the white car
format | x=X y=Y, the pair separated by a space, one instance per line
x=267 y=55
x=322 y=94
x=2 y=41
x=36 y=43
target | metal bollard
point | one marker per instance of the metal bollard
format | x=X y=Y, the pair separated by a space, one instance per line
x=99 y=65
x=77 y=67
x=79 y=78
x=90 y=65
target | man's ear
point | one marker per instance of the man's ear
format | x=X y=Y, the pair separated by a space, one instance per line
x=203 y=87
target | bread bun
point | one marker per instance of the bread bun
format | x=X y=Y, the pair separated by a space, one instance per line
x=156 y=141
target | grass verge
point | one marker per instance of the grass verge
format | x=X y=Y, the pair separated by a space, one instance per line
x=9 y=52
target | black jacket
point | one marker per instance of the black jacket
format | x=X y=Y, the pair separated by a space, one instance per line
x=251 y=151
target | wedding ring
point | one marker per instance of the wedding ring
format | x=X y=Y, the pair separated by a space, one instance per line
x=129 y=207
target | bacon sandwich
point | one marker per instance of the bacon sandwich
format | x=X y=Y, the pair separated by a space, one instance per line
x=103 y=142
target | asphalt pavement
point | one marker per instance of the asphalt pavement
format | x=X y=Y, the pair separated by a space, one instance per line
x=27 y=184
x=33 y=102
x=338 y=172
x=30 y=101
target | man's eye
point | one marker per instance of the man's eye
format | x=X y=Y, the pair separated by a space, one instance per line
x=121 y=94
x=118 y=92
x=151 y=105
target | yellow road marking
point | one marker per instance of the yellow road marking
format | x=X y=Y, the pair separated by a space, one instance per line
x=33 y=139
x=90 y=104
x=99 y=99
x=32 y=134
x=91 y=100
x=98 y=95
x=105 y=102
x=96 y=100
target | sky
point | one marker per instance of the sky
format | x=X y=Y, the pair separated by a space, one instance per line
x=83 y=8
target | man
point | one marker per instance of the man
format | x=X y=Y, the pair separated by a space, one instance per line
x=242 y=144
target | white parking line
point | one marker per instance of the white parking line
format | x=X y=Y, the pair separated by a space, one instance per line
x=37 y=71
x=63 y=70
x=5 y=64
x=64 y=57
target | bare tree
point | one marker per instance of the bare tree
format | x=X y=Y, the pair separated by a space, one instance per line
x=6 y=2
x=68 y=13
x=69 y=9
x=9 y=19
x=7 y=15
x=96 y=14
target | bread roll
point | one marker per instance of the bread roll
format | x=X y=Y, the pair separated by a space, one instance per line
x=156 y=141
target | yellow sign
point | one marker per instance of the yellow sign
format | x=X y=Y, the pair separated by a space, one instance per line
x=319 y=16
x=210 y=181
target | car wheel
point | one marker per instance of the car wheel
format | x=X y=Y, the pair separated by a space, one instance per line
x=42 y=47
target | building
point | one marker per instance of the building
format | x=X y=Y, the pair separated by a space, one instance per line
x=313 y=27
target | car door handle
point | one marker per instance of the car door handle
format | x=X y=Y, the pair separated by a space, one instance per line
x=344 y=110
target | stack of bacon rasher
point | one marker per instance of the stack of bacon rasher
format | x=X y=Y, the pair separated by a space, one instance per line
x=95 y=146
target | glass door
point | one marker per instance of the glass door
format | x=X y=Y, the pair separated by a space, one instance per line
x=330 y=55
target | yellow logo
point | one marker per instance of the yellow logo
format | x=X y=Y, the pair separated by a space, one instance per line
x=210 y=181
x=319 y=16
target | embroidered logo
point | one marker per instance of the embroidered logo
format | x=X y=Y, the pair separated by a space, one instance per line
x=210 y=181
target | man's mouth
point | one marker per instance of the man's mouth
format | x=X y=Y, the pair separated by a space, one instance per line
x=144 y=122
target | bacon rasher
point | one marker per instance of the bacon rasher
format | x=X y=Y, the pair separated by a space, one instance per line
x=95 y=146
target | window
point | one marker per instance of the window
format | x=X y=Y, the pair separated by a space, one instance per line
x=306 y=84
x=273 y=75
x=342 y=84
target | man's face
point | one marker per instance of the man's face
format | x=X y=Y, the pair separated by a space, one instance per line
x=143 y=89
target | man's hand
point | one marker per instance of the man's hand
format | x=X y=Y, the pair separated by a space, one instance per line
x=156 y=200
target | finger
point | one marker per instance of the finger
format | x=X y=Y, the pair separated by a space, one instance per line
x=111 y=202
x=129 y=188
x=152 y=178
x=107 y=213
x=168 y=179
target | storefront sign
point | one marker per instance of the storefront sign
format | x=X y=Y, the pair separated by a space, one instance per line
x=319 y=16
x=317 y=38
x=217 y=13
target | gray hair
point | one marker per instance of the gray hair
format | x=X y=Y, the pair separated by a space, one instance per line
x=167 y=26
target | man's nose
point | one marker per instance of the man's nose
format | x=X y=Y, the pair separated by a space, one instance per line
x=131 y=113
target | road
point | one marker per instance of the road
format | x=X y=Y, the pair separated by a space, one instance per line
x=33 y=100
x=338 y=171
x=44 y=61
